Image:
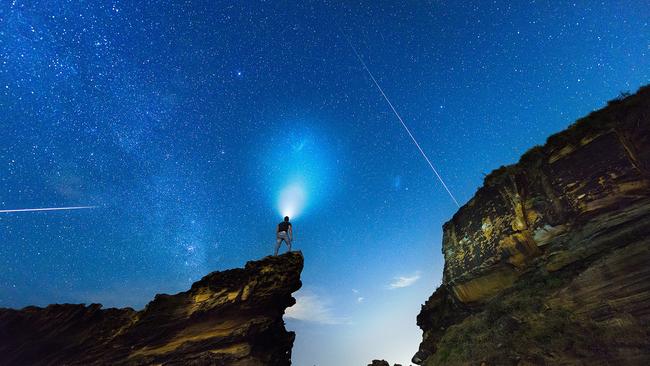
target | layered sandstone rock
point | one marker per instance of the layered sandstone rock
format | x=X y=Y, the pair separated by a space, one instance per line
x=232 y=317
x=554 y=247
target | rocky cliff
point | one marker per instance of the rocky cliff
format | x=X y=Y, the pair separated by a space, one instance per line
x=232 y=317
x=549 y=262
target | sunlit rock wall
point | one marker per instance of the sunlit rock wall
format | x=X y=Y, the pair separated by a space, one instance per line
x=564 y=231
x=600 y=164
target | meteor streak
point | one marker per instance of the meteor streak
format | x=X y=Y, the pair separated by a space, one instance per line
x=47 y=209
x=398 y=116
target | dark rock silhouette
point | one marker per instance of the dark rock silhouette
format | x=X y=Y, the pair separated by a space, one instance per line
x=549 y=262
x=381 y=363
x=232 y=317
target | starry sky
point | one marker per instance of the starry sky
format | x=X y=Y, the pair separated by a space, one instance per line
x=187 y=122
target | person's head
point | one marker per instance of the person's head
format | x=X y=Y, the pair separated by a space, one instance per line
x=286 y=218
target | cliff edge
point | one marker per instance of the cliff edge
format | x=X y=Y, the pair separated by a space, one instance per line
x=232 y=317
x=548 y=262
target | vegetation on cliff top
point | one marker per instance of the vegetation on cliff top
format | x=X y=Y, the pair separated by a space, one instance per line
x=592 y=123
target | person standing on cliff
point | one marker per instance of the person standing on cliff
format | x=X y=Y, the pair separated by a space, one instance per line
x=284 y=232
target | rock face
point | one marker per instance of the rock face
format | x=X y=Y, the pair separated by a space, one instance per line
x=232 y=317
x=549 y=262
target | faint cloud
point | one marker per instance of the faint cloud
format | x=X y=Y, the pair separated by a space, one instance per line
x=360 y=299
x=403 y=281
x=313 y=308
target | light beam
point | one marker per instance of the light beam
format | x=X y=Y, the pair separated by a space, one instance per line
x=398 y=117
x=292 y=199
x=48 y=209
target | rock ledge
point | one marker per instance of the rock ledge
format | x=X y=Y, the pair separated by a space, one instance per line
x=232 y=317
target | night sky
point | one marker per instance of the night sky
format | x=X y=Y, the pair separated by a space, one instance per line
x=185 y=121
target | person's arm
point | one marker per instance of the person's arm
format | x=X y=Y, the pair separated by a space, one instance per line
x=291 y=232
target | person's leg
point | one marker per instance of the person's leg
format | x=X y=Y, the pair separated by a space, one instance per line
x=284 y=236
x=278 y=242
x=281 y=236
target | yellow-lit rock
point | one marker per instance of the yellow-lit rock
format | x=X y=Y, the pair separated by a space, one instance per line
x=232 y=317
x=548 y=263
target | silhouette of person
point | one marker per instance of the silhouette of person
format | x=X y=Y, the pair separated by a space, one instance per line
x=283 y=232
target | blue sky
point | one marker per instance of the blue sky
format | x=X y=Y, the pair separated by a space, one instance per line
x=183 y=122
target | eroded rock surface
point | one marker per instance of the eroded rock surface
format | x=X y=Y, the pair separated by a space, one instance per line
x=549 y=262
x=232 y=317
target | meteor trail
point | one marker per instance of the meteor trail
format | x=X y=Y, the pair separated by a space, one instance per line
x=47 y=209
x=398 y=116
